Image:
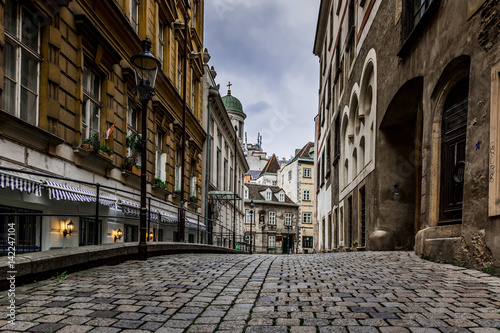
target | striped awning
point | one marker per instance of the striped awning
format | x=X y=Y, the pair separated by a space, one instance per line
x=168 y=218
x=193 y=224
x=64 y=192
x=20 y=181
x=134 y=209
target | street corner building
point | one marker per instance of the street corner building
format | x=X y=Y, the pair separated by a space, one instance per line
x=70 y=120
x=271 y=223
x=407 y=128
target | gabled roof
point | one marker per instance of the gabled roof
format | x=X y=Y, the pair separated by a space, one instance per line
x=304 y=152
x=272 y=166
x=254 y=191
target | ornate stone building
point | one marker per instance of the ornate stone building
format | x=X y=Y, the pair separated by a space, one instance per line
x=67 y=82
x=407 y=127
x=224 y=164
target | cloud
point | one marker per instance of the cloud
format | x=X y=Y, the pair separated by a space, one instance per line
x=265 y=49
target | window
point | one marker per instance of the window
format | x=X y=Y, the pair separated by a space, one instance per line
x=307 y=218
x=414 y=13
x=217 y=168
x=26 y=228
x=179 y=73
x=272 y=218
x=288 y=219
x=161 y=158
x=268 y=196
x=193 y=96
x=134 y=15
x=307 y=242
x=271 y=242
x=307 y=173
x=249 y=216
x=417 y=10
x=21 y=63
x=178 y=167
x=275 y=183
x=161 y=41
x=246 y=193
x=281 y=197
x=192 y=185
x=224 y=175
x=90 y=232
x=91 y=102
x=328 y=155
x=132 y=130
x=336 y=143
x=306 y=195
x=231 y=179
x=131 y=233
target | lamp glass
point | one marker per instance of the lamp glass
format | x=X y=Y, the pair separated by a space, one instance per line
x=146 y=67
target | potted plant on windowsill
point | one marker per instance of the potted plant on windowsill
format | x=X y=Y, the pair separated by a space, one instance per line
x=92 y=143
x=160 y=183
x=131 y=164
x=193 y=199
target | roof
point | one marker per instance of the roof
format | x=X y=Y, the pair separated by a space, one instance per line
x=304 y=152
x=232 y=103
x=255 y=189
x=272 y=166
x=253 y=173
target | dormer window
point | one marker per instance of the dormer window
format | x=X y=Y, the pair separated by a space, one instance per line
x=268 y=196
x=281 y=197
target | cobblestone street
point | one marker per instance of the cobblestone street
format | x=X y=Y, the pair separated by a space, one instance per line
x=343 y=292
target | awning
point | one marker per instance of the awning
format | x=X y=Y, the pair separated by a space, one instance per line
x=223 y=195
x=20 y=181
x=193 y=224
x=134 y=209
x=64 y=192
x=168 y=218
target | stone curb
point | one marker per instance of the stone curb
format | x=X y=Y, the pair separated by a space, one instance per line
x=45 y=264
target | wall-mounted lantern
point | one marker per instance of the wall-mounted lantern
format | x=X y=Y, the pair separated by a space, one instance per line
x=118 y=234
x=68 y=228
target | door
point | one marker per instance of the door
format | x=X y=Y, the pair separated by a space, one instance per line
x=454 y=133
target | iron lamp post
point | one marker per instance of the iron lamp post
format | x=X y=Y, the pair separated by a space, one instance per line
x=252 y=205
x=146 y=69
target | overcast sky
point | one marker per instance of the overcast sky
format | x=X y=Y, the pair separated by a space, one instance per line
x=264 y=47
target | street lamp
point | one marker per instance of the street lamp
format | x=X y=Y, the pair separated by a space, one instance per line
x=252 y=205
x=146 y=68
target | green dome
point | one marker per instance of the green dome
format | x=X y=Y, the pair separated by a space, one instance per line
x=232 y=103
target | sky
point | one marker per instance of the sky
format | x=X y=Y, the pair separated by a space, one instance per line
x=265 y=49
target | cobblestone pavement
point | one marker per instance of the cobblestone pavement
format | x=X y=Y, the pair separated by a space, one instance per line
x=342 y=292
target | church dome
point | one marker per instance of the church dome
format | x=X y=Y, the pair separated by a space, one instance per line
x=232 y=103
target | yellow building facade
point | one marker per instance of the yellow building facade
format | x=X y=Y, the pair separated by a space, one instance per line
x=66 y=78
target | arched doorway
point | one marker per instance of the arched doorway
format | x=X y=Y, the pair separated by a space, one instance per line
x=454 y=135
x=399 y=161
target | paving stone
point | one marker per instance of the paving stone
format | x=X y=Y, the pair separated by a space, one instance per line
x=75 y=329
x=389 y=292
x=46 y=327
